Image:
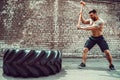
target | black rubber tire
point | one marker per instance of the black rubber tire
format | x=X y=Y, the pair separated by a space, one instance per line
x=31 y=63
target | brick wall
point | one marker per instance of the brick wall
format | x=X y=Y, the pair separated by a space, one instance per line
x=51 y=24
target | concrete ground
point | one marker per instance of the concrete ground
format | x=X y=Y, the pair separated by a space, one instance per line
x=97 y=69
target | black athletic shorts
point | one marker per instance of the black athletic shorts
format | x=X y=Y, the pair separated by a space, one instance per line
x=97 y=40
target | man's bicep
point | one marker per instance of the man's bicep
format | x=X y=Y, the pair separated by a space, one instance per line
x=87 y=21
x=98 y=24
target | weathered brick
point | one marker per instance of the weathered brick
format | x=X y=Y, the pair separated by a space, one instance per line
x=51 y=24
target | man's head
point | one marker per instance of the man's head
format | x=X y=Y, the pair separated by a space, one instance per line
x=93 y=15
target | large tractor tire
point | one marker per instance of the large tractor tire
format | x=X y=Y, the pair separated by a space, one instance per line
x=31 y=63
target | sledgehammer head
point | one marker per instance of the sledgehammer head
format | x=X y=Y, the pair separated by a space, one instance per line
x=82 y=3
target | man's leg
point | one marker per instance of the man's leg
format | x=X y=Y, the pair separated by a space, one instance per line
x=88 y=45
x=84 y=55
x=104 y=48
x=84 y=58
x=108 y=56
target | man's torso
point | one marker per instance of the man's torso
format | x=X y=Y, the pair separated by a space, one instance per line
x=99 y=23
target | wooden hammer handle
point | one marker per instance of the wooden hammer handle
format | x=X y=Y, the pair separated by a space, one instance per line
x=82 y=4
x=79 y=20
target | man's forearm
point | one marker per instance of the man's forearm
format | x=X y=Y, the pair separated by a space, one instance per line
x=83 y=28
x=87 y=28
x=82 y=20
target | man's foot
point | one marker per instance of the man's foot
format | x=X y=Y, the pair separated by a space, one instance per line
x=111 y=67
x=82 y=65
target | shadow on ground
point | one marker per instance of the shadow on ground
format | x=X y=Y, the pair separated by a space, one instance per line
x=50 y=77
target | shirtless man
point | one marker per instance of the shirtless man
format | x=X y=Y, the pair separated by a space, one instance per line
x=96 y=26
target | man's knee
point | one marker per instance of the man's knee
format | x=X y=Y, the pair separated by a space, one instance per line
x=107 y=52
x=85 y=50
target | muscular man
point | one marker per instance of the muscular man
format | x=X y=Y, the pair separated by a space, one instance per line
x=96 y=25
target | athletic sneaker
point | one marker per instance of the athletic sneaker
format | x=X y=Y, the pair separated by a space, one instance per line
x=82 y=65
x=111 y=67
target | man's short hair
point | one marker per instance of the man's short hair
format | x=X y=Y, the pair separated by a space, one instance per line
x=93 y=11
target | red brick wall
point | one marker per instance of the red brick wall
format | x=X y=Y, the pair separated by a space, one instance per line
x=51 y=24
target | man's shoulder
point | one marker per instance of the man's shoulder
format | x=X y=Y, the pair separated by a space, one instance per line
x=101 y=20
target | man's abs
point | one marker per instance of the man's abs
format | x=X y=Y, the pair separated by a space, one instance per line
x=96 y=33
